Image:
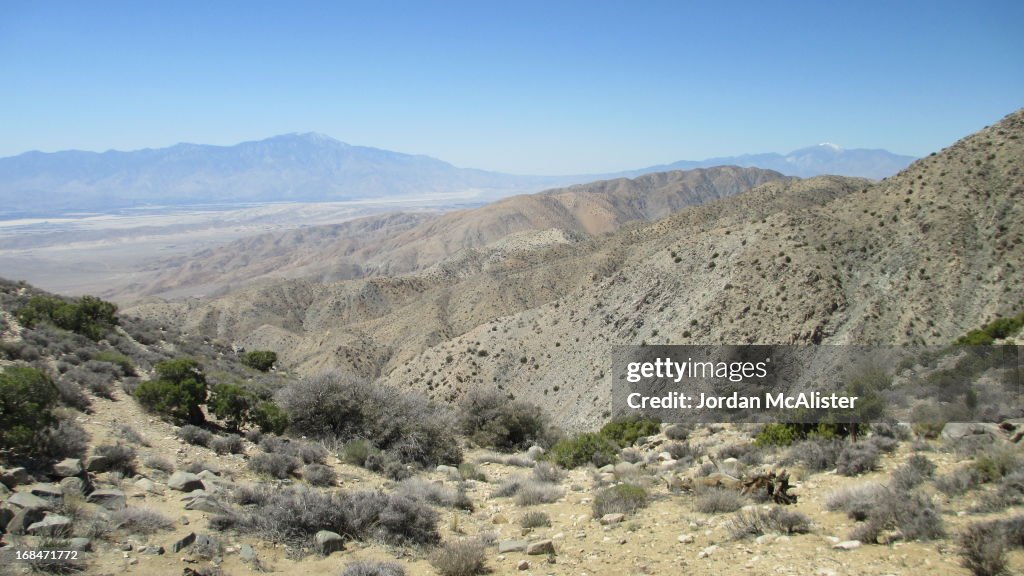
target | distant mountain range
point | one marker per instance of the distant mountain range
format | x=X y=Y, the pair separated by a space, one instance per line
x=314 y=167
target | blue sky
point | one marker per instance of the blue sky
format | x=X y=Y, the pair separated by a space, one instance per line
x=527 y=87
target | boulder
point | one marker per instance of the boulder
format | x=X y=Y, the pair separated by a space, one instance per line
x=68 y=467
x=13 y=477
x=97 y=463
x=707 y=551
x=957 y=430
x=205 y=503
x=24 y=518
x=185 y=482
x=51 y=525
x=246 y=553
x=6 y=514
x=506 y=546
x=328 y=542
x=847 y=545
x=523 y=565
x=540 y=547
x=148 y=486
x=608 y=519
x=72 y=485
x=80 y=544
x=685 y=539
x=28 y=501
x=183 y=543
x=50 y=492
x=4 y=491
x=109 y=498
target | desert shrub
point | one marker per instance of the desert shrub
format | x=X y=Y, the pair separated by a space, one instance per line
x=71 y=394
x=506 y=459
x=158 y=463
x=997 y=329
x=407 y=521
x=88 y=315
x=468 y=471
x=435 y=493
x=344 y=407
x=120 y=457
x=857 y=501
x=198 y=466
x=532 y=493
x=587 y=448
x=678 y=432
x=816 y=454
x=177 y=392
x=774 y=520
x=717 y=501
x=262 y=360
x=958 y=481
x=136 y=520
x=373 y=568
x=626 y=431
x=535 y=519
x=319 y=475
x=983 y=549
x=680 y=450
x=274 y=465
x=996 y=462
x=776 y=435
x=631 y=455
x=227 y=444
x=883 y=444
x=745 y=452
x=491 y=419
x=27 y=399
x=621 y=499
x=912 y=513
x=97 y=377
x=356 y=451
x=131 y=435
x=548 y=472
x=123 y=362
x=269 y=417
x=387 y=464
x=913 y=472
x=232 y=404
x=63 y=439
x=1010 y=492
x=195 y=435
x=460 y=558
x=305 y=452
x=928 y=420
x=857 y=458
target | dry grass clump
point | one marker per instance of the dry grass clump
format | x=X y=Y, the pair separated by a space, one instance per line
x=774 y=520
x=436 y=493
x=195 y=435
x=535 y=519
x=371 y=568
x=621 y=499
x=983 y=546
x=228 y=444
x=460 y=558
x=717 y=501
x=140 y=521
x=319 y=475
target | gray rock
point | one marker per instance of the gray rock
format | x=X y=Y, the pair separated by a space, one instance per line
x=51 y=492
x=109 y=498
x=14 y=477
x=154 y=550
x=205 y=504
x=148 y=486
x=24 y=518
x=540 y=547
x=535 y=452
x=51 y=525
x=506 y=546
x=246 y=554
x=956 y=430
x=185 y=482
x=72 y=485
x=6 y=514
x=607 y=469
x=707 y=551
x=449 y=470
x=4 y=491
x=612 y=518
x=207 y=541
x=183 y=542
x=624 y=469
x=97 y=463
x=80 y=544
x=28 y=501
x=685 y=539
x=68 y=467
x=328 y=542
x=523 y=565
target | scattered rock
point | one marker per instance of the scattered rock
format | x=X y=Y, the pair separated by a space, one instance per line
x=686 y=539
x=147 y=485
x=541 y=547
x=72 y=485
x=97 y=463
x=183 y=543
x=24 y=518
x=328 y=542
x=625 y=469
x=80 y=544
x=6 y=514
x=13 y=477
x=68 y=467
x=109 y=498
x=523 y=565
x=506 y=546
x=185 y=482
x=449 y=470
x=499 y=519
x=707 y=551
x=247 y=553
x=50 y=492
x=205 y=504
x=51 y=525
x=956 y=430
x=28 y=501
x=847 y=545
x=608 y=519
x=154 y=550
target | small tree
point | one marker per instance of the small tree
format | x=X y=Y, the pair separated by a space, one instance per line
x=269 y=417
x=231 y=403
x=262 y=360
x=178 y=391
x=27 y=397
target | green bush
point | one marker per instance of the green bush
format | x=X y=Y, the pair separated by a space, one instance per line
x=269 y=418
x=120 y=360
x=587 y=448
x=776 y=435
x=262 y=360
x=621 y=498
x=178 y=391
x=231 y=403
x=27 y=398
x=997 y=329
x=625 y=431
x=491 y=419
x=88 y=315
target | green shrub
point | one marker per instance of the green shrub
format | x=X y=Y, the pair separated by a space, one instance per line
x=491 y=419
x=27 y=398
x=262 y=360
x=355 y=452
x=269 y=418
x=997 y=329
x=117 y=359
x=621 y=498
x=232 y=404
x=587 y=448
x=88 y=315
x=178 y=391
x=626 y=431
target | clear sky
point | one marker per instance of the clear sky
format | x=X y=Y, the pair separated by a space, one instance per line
x=528 y=87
